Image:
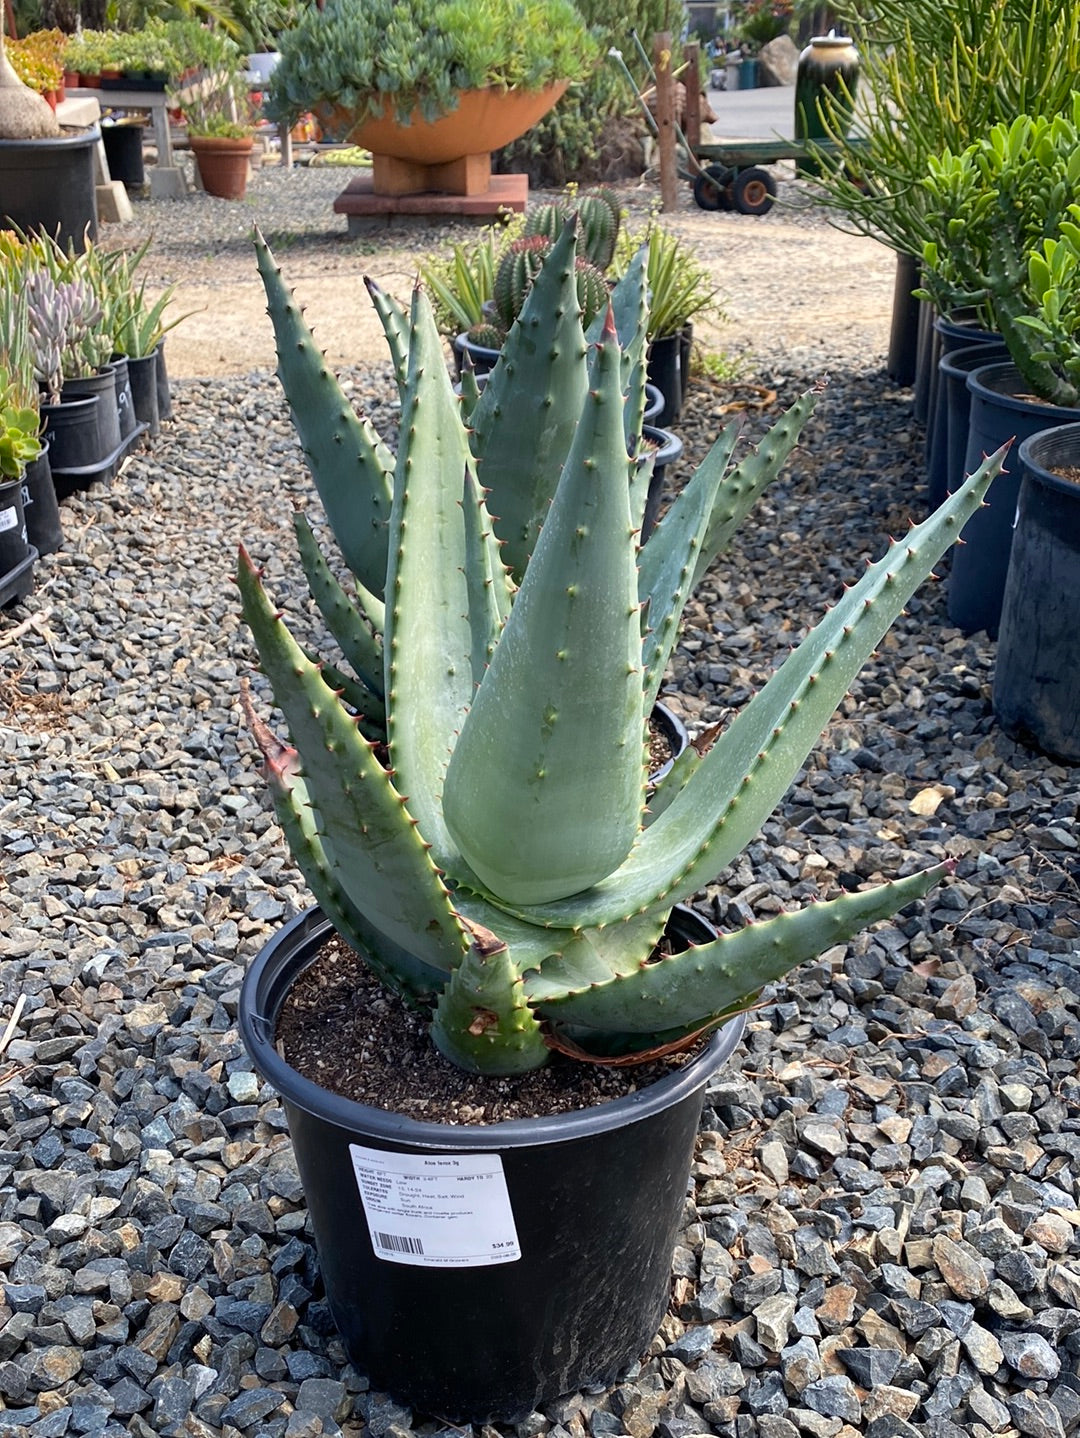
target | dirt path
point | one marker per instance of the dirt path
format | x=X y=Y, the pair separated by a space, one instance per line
x=786 y=280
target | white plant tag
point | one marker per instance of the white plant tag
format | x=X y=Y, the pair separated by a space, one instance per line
x=436 y=1210
x=9 y=518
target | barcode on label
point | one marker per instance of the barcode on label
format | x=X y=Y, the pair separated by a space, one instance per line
x=399 y=1243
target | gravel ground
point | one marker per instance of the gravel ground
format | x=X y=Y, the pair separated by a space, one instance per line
x=883 y=1236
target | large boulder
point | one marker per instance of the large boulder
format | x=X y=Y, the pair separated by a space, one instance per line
x=778 y=62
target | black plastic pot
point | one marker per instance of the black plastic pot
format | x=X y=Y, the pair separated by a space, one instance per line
x=16 y=555
x=73 y=434
x=686 y=350
x=125 y=404
x=48 y=185
x=952 y=335
x=595 y=1198
x=142 y=379
x=980 y=564
x=945 y=470
x=1037 y=675
x=40 y=509
x=674 y=730
x=664 y=371
x=102 y=384
x=124 y=153
x=164 y=393
x=482 y=357
x=927 y=355
x=654 y=404
x=904 y=325
x=667 y=449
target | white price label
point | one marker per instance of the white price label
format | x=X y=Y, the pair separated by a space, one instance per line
x=436 y=1210
x=9 y=518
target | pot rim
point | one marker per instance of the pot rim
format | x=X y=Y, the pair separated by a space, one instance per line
x=995 y=381
x=1036 y=465
x=77 y=137
x=295 y=946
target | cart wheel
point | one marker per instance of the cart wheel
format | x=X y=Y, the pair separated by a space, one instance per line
x=753 y=192
x=711 y=188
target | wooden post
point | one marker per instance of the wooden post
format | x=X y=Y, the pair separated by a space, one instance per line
x=692 y=84
x=665 y=122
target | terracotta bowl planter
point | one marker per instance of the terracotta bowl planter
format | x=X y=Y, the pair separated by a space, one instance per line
x=451 y=153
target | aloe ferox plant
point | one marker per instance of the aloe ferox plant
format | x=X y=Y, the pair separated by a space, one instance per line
x=498 y=863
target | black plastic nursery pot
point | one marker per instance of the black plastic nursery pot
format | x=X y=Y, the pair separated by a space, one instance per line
x=953 y=336
x=904 y=323
x=124 y=153
x=664 y=370
x=1037 y=674
x=73 y=434
x=17 y=557
x=545 y=1265
x=668 y=723
x=40 y=509
x=164 y=392
x=48 y=185
x=981 y=563
x=945 y=470
x=102 y=384
x=125 y=403
x=142 y=380
x=482 y=358
x=667 y=449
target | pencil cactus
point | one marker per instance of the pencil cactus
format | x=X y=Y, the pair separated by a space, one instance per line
x=498 y=866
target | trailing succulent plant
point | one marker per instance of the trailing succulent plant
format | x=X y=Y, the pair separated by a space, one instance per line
x=496 y=863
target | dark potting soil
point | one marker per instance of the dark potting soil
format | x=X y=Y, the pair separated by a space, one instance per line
x=342 y=1030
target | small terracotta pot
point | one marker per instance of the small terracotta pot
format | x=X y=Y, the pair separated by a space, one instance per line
x=223 y=164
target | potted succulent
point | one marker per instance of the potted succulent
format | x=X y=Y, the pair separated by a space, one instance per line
x=1005 y=203
x=23 y=456
x=432 y=87
x=494 y=864
x=19 y=447
x=221 y=132
x=680 y=287
x=934 y=78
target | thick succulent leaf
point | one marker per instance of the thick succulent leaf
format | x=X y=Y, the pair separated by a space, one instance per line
x=356 y=641
x=374 y=610
x=556 y=727
x=691 y=988
x=630 y=305
x=483 y=1022
x=665 y=577
x=427 y=643
x=395 y=323
x=749 y=478
x=416 y=982
x=489 y=593
x=470 y=393
x=524 y=420
x=368 y=708
x=745 y=774
x=382 y=863
x=349 y=463
x=594 y=956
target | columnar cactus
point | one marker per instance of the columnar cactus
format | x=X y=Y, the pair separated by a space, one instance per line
x=498 y=867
